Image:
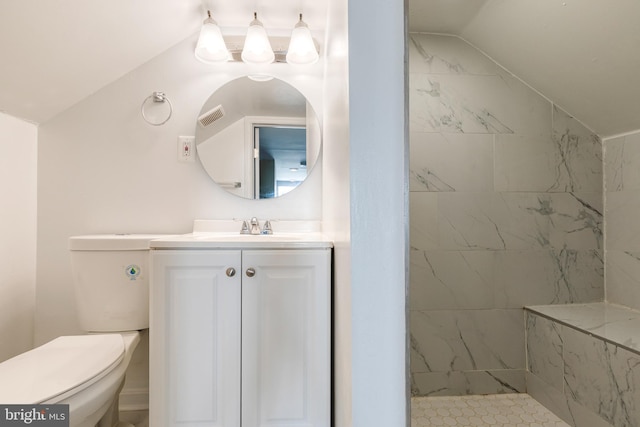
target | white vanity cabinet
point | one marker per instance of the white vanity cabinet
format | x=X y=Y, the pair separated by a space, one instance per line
x=240 y=337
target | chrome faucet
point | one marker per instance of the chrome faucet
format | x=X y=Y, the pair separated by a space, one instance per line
x=252 y=226
x=255 y=226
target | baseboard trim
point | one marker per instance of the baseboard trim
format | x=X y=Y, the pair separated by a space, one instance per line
x=136 y=399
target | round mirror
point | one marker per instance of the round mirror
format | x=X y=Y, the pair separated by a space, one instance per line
x=258 y=139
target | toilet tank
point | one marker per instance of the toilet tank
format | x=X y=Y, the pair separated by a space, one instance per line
x=111 y=281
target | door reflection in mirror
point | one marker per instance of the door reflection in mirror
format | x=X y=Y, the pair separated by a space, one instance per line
x=281 y=161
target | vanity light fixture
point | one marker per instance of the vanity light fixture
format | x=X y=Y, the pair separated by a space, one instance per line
x=302 y=50
x=257 y=48
x=211 y=47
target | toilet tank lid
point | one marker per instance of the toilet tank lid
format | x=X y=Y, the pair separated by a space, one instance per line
x=113 y=242
x=58 y=366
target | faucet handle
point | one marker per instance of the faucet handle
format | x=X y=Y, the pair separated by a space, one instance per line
x=266 y=228
x=255 y=226
x=245 y=228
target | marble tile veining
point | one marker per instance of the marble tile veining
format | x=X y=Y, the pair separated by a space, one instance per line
x=623 y=227
x=603 y=377
x=442 y=280
x=567 y=160
x=548 y=277
x=579 y=166
x=622 y=155
x=519 y=220
x=455 y=280
x=449 y=55
x=525 y=162
x=423 y=210
x=461 y=383
x=610 y=322
x=564 y=406
x=545 y=350
x=584 y=378
x=623 y=278
x=506 y=209
x=474 y=104
x=467 y=340
x=451 y=162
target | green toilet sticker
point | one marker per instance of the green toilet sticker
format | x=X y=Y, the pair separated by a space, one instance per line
x=132 y=271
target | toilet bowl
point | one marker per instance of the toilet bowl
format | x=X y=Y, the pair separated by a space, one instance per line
x=85 y=372
x=110 y=275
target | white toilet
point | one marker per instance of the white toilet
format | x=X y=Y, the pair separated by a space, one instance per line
x=110 y=274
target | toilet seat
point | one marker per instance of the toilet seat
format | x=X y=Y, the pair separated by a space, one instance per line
x=59 y=368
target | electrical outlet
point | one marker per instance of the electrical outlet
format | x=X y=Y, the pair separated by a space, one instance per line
x=186 y=145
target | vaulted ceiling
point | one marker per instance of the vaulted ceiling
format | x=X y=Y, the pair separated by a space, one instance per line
x=54 y=53
x=584 y=55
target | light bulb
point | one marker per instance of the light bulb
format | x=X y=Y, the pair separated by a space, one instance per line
x=211 y=47
x=302 y=49
x=257 y=48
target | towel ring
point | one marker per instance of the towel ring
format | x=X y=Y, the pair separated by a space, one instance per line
x=156 y=97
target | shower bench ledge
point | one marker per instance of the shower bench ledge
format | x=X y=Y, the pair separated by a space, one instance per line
x=583 y=362
x=616 y=324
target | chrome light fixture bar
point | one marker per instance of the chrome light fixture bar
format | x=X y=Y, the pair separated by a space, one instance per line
x=256 y=48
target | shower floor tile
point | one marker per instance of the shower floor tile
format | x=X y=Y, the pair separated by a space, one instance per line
x=501 y=410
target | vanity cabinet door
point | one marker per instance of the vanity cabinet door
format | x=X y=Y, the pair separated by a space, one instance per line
x=195 y=338
x=286 y=338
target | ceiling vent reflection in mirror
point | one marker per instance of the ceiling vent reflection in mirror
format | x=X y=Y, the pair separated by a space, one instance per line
x=211 y=116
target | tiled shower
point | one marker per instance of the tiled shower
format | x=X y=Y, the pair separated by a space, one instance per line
x=506 y=206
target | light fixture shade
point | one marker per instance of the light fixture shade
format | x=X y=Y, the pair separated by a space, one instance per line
x=211 y=47
x=260 y=77
x=257 y=48
x=302 y=49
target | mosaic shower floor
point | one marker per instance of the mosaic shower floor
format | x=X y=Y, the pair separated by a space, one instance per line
x=502 y=410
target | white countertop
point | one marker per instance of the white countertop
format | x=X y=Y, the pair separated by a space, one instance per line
x=235 y=240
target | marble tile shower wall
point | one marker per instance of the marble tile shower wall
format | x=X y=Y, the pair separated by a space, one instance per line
x=582 y=378
x=506 y=211
x=622 y=186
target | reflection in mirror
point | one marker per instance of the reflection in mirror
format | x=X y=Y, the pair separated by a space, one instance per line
x=258 y=139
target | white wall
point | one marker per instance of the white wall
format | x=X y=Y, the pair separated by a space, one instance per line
x=102 y=169
x=379 y=211
x=336 y=200
x=18 y=168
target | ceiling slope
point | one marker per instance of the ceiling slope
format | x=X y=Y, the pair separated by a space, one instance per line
x=581 y=54
x=55 y=53
x=584 y=55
